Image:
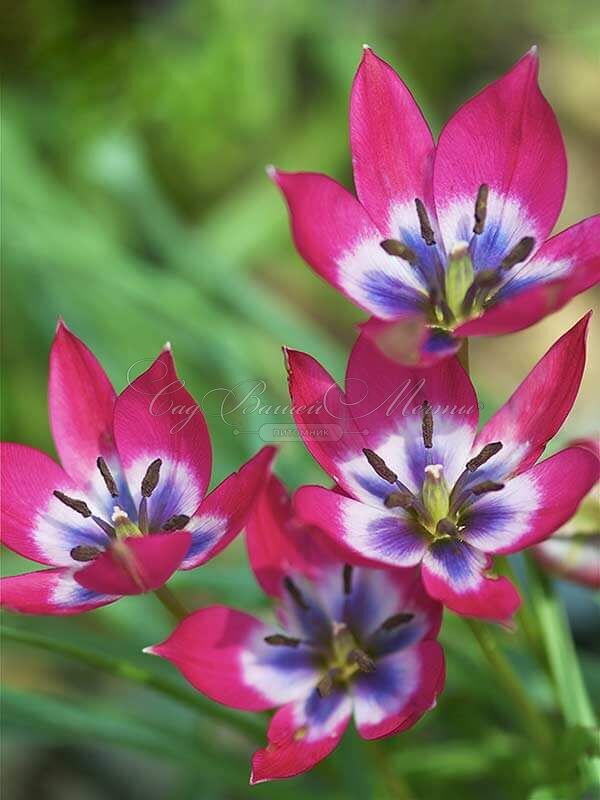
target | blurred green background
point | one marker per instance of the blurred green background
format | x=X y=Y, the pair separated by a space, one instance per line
x=135 y=205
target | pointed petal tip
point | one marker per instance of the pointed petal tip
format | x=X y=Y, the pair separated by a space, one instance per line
x=530 y=61
x=582 y=325
x=368 y=55
x=166 y=357
x=286 y=360
x=267 y=454
x=152 y=650
x=62 y=330
x=255 y=780
x=272 y=172
x=290 y=356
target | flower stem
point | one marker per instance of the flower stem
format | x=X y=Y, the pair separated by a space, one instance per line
x=396 y=787
x=463 y=355
x=171 y=603
x=111 y=665
x=564 y=666
x=526 y=617
x=533 y=721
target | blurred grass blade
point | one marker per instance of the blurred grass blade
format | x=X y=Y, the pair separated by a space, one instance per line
x=556 y=634
x=248 y=724
x=28 y=711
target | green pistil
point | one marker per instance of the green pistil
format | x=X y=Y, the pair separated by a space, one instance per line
x=124 y=527
x=348 y=657
x=459 y=277
x=436 y=496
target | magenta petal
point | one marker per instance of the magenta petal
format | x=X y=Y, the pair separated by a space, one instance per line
x=300 y=735
x=403 y=687
x=377 y=595
x=156 y=417
x=279 y=543
x=34 y=523
x=222 y=653
x=392 y=146
x=322 y=415
x=223 y=513
x=81 y=401
x=135 y=565
x=576 y=252
x=539 y=406
x=564 y=266
x=384 y=538
x=49 y=591
x=386 y=400
x=570 y=558
x=336 y=236
x=516 y=313
x=454 y=573
x=410 y=341
x=507 y=137
x=562 y=481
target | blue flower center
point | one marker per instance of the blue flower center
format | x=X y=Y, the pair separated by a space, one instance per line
x=457 y=290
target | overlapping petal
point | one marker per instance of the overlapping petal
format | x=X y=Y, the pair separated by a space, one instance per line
x=572 y=557
x=336 y=236
x=508 y=138
x=49 y=591
x=323 y=417
x=454 y=573
x=279 y=544
x=157 y=418
x=223 y=654
x=392 y=147
x=35 y=523
x=300 y=735
x=385 y=538
x=539 y=406
x=377 y=595
x=560 y=483
x=386 y=400
x=564 y=266
x=400 y=690
x=223 y=513
x=81 y=401
x=135 y=565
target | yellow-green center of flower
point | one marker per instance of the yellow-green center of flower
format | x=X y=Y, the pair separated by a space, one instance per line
x=455 y=292
x=436 y=496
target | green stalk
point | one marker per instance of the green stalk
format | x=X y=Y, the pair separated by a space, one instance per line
x=463 y=355
x=526 y=617
x=568 y=681
x=533 y=722
x=171 y=603
x=249 y=725
x=396 y=788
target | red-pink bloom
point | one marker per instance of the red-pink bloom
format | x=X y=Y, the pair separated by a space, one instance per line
x=422 y=486
x=129 y=505
x=450 y=240
x=573 y=552
x=355 y=640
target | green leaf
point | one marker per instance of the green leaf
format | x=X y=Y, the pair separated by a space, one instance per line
x=570 y=688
